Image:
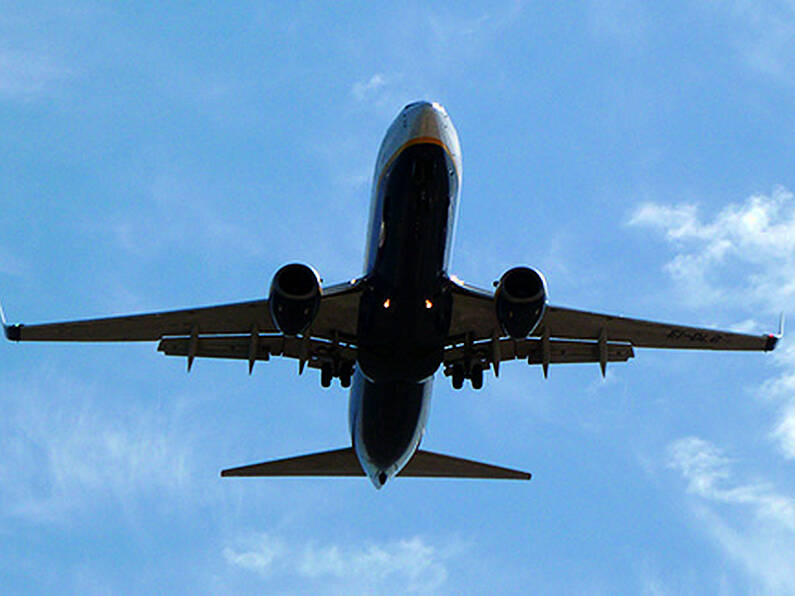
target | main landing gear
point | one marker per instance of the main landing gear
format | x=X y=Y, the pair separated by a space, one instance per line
x=474 y=374
x=342 y=370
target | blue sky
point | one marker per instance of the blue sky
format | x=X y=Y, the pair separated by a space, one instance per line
x=155 y=158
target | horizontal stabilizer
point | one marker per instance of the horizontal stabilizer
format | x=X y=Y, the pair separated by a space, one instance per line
x=340 y=462
x=343 y=462
x=435 y=465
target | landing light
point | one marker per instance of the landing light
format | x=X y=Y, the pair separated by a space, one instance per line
x=386 y=303
x=428 y=304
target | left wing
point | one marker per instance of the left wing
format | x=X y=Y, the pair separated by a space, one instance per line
x=569 y=335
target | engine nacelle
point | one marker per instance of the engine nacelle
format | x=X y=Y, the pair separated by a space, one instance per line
x=294 y=298
x=520 y=300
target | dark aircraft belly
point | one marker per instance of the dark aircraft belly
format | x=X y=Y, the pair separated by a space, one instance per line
x=388 y=421
x=404 y=314
x=405 y=310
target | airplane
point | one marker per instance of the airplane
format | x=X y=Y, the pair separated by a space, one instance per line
x=386 y=333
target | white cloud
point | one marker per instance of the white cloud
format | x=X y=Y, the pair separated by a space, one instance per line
x=366 y=89
x=412 y=564
x=709 y=474
x=761 y=535
x=257 y=554
x=764 y=36
x=745 y=251
x=64 y=454
x=781 y=389
x=743 y=257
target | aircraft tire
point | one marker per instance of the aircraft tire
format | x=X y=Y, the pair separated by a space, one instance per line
x=458 y=376
x=345 y=375
x=326 y=374
x=477 y=376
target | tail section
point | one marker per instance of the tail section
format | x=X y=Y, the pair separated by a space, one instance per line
x=340 y=462
x=425 y=464
x=343 y=462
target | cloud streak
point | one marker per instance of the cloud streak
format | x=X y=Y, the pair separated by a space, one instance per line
x=412 y=563
x=743 y=257
x=751 y=244
x=765 y=545
x=63 y=454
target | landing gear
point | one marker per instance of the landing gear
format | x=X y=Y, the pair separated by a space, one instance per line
x=343 y=371
x=458 y=373
x=346 y=370
x=476 y=376
x=326 y=374
x=458 y=376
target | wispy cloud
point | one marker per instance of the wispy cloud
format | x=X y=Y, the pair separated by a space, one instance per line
x=743 y=257
x=763 y=543
x=365 y=89
x=63 y=454
x=184 y=213
x=27 y=74
x=782 y=390
x=618 y=20
x=746 y=251
x=412 y=564
x=9 y=263
x=763 y=36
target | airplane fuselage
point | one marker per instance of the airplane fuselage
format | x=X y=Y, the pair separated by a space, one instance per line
x=405 y=310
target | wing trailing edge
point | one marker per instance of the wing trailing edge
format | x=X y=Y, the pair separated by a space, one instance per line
x=343 y=462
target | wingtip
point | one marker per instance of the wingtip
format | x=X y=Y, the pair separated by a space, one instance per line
x=773 y=339
x=12 y=332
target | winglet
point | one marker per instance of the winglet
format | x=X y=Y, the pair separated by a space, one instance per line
x=772 y=339
x=12 y=331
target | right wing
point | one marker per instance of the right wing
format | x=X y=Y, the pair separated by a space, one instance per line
x=239 y=330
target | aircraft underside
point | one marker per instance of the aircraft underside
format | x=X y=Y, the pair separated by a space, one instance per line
x=388 y=332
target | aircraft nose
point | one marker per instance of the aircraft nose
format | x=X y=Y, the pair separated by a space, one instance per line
x=425 y=119
x=424 y=109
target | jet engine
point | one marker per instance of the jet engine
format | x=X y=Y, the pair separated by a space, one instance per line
x=294 y=298
x=520 y=300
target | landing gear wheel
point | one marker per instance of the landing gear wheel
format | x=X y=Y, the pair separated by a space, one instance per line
x=458 y=376
x=326 y=374
x=346 y=370
x=477 y=376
